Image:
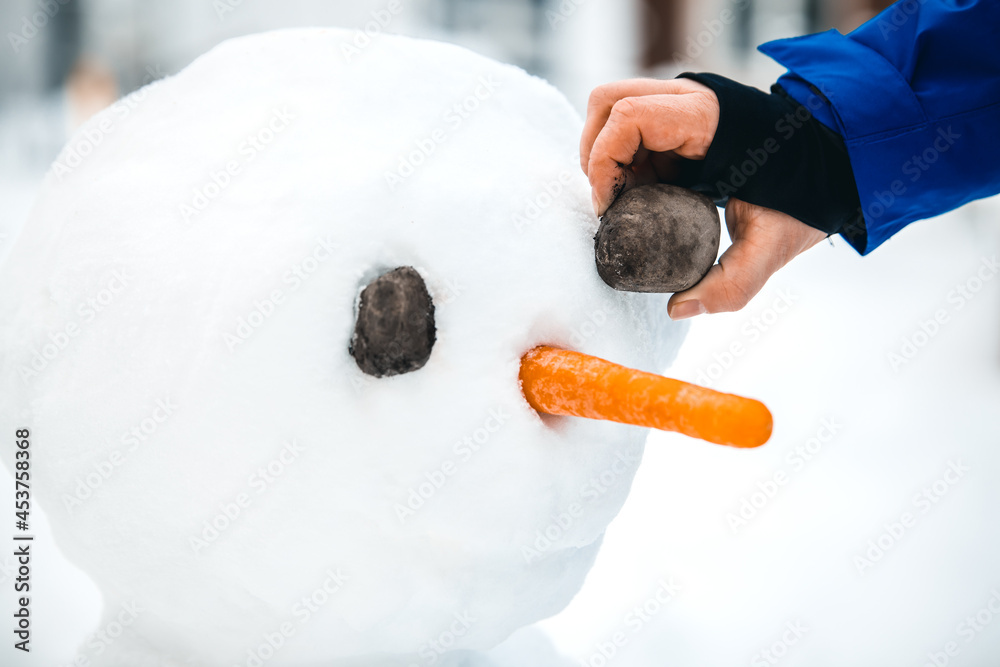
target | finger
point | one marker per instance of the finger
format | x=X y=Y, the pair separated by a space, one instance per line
x=650 y=167
x=658 y=123
x=764 y=240
x=642 y=168
x=729 y=285
x=603 y=99
x=666 y=166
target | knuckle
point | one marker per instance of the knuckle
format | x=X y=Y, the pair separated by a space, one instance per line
x=600 y=96
x=627 y=107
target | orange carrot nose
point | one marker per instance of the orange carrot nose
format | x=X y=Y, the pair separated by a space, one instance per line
x=562 y=382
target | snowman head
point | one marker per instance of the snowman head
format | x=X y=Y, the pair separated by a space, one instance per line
x=179 y=319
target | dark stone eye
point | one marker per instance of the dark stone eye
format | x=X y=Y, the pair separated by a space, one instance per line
x=395 y=330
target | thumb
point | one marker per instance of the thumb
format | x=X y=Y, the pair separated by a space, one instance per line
x=764 y=240
x=728 y=286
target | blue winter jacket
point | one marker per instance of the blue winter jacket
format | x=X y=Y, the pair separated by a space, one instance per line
x=915 y=94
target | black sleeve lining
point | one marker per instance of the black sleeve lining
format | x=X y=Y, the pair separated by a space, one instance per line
x=771 y=151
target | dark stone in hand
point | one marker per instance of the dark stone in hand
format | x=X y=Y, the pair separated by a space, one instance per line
x=657 y=238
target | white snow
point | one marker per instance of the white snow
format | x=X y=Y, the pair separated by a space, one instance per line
x=797 y=558
x=175 y=317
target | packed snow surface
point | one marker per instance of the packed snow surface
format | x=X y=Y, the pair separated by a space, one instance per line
x=174 y=327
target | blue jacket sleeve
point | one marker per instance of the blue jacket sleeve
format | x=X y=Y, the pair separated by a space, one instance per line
x=915 y=93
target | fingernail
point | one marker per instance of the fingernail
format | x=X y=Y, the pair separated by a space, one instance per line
x=596 y=203
x=686 y=309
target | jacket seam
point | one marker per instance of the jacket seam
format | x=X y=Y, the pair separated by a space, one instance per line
x=911 y=129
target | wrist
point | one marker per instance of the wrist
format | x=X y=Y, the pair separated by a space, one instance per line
x=768 y=150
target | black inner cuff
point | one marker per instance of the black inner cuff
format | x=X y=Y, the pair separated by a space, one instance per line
x=769 y=150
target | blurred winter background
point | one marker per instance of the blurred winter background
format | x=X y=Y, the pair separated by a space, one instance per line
x=866 y=533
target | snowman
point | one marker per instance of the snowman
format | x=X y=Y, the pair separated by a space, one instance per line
x=305 y=339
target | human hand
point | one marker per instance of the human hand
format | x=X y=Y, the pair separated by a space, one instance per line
x=636 y=130
x=764 y=240
x=634 y=133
